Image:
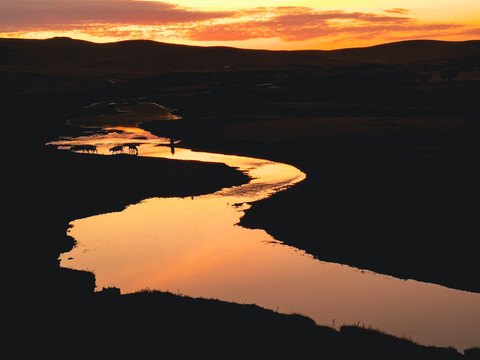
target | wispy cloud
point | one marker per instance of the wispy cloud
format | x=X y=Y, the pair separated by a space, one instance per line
x=58 y=14
x=301 y=23
x=397 y=11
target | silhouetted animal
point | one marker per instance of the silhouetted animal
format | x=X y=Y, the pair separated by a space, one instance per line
x=91 y=148
x=84 y=148
x=117 y=149
x=75 y=148
x=132 y=149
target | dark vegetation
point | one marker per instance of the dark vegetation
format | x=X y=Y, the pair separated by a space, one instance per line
x=388 y=136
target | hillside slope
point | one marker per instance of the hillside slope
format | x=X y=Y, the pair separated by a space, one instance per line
x=150 y=55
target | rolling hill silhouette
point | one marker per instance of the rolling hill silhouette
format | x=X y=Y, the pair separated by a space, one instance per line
x=147 y=56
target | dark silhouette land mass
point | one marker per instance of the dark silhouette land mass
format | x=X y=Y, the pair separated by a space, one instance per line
x=388 y=137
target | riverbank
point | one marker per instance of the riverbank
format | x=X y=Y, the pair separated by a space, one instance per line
x=56 y=294
x=149 y=322
x=126 y=248
x=50 y=188
x=390 y=195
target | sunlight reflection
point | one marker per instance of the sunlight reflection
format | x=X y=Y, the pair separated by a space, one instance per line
x=193 y=246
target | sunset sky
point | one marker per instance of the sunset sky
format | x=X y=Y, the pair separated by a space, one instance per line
x=266 y=24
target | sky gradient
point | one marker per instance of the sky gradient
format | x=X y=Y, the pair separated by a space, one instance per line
x=276 y=24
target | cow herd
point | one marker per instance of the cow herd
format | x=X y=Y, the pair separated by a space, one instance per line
x=118 y=149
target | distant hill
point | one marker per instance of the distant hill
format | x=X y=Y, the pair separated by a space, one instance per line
x=412 y=51
x=147 y=56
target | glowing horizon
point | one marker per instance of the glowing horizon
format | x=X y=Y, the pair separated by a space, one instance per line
x=276 y=25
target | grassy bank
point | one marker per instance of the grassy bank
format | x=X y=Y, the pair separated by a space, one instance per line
x=139 y=324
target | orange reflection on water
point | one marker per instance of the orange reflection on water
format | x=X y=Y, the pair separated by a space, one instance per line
x=194 y=246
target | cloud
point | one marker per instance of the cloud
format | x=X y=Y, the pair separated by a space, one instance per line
x=298 y=23
x=56 y=14
x=397 y=11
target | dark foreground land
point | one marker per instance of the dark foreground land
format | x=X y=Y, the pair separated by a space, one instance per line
x=388 y=137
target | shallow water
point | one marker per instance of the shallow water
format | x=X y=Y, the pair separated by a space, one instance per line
x=194 y=247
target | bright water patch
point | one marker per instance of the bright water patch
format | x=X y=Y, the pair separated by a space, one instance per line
x=194 y=246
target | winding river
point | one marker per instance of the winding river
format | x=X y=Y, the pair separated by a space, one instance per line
x=193 y=246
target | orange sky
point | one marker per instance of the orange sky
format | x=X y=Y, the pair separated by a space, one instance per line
x=276 y=24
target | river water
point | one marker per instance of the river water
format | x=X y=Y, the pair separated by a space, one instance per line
x=193 y=246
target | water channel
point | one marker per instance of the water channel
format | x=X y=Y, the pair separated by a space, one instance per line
x=194 y=246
